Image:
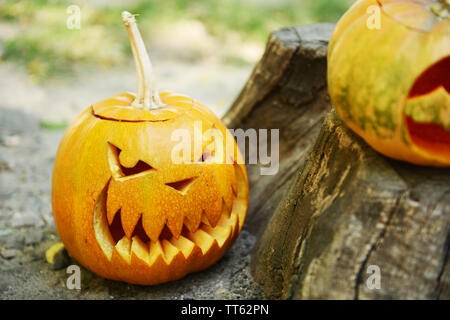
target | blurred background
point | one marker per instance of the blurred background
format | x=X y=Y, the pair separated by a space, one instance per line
x=202 y=48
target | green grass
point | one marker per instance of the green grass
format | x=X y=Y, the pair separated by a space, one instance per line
x=53 y=125
x=47 y=48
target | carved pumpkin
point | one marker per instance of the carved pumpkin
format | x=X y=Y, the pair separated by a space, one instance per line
x=123 y=208
x=391 y=85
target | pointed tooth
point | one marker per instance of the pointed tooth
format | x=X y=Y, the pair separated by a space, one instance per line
x=170 y=251
x=228 y=197
x=228 y=219
x=221 y=234
x=110 y=214
x=129 y=220
x=185 y=245
x=153 y=225
x=193 y=219
x=190 y=226
x=202 y=239
x=240 y=208
x=234 y=186
x=175 y=226
x=140 y=249
x=212 y=212
x=123 y=247
x=205 y=219
x=155 y=252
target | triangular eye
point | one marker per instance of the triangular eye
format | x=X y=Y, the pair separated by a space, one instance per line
x=120 y=171
x=182 y=186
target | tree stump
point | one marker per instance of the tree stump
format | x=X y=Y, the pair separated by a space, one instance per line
x=286 y=91
x=350 y=208
x=348 y=223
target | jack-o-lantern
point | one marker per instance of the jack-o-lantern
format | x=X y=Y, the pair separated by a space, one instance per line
x=123 y=208
x=389 y=77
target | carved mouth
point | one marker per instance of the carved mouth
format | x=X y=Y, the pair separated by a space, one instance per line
x=427 y=110
x=111 y=237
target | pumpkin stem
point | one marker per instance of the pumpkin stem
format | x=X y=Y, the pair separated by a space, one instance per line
x=147 y=96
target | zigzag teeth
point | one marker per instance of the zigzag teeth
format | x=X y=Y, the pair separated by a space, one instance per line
x=110 y=214
x=205 y=237
x=153 y=226
x=202 y=239
x=165 y=249
x=112 y=207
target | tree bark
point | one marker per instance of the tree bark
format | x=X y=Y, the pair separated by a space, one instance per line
x=350 y=210
x=286 y=91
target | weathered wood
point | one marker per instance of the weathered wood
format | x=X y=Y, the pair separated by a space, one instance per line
x=349 y=208
x=286 y=91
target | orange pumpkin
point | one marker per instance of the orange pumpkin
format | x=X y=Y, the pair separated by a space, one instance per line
x=391 y=84
x=123 y=208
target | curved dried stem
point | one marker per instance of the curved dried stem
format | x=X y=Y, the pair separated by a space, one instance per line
x=147 y=96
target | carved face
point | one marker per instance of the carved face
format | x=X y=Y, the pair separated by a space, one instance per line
x=126 y=211
x=391 y=85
